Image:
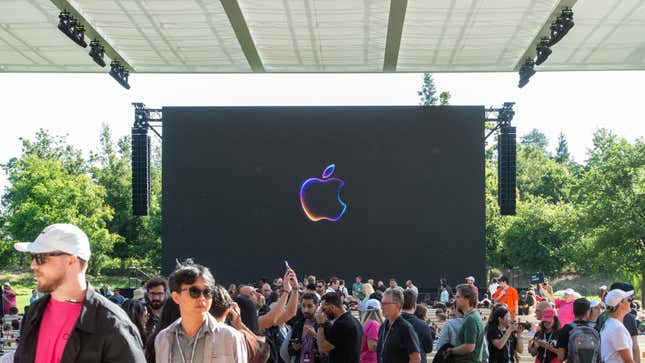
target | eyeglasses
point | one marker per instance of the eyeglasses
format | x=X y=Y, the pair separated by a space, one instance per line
x=41 y=258
x=195 y=292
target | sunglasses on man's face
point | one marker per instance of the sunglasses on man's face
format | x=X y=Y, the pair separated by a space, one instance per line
x=195 y=292
x=41 y=258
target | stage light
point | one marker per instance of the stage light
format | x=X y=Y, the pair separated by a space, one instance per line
x=96 y=52
x=561 y=26
x=120 y=74
x=543 y=51
x=70 y=27
x=526 y=72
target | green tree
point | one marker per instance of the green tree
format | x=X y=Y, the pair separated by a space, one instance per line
x=539 y=175
x=535 y=137
x=444 y=98
x=428 y=93
x=536 y=239
x=48 y=186
x=611 y=195
x=562 y=151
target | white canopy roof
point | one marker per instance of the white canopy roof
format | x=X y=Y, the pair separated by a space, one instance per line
x=231 y=36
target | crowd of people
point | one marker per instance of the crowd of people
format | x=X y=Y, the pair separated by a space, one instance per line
x=188 y=317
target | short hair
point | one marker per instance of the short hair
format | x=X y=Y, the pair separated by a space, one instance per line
x=333 y=298
x=321 y=282
x=311 y=286
x=468 y=292
x=392 y=279
x=157 y=281
x=397 y=296
x=310 y=296
x=221 y=301
x=377 y=295
x=409 y=299
x=580 y=307
x=504 y=279
x=334 y=280
x=311 y=279
x=421 y=311
x=187 y=273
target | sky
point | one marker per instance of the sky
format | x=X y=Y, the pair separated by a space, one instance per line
x=575 y=103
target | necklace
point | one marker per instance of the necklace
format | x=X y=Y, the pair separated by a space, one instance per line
x=181 y=352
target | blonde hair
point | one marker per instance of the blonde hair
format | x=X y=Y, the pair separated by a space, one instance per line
x=368 y=289
x=373 y=314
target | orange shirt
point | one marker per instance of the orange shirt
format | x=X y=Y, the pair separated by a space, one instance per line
x=510 y=298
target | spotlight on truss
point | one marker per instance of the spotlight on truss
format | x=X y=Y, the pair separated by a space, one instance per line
x=96 y=52
x=561 y=26
x=120 y=74
x=526 y=72
x=543 y=51
x=70 y=27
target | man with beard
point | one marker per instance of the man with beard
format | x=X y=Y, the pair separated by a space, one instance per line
x=303 y=336
x=72 y=322
x=156 y=295
x=342 y=339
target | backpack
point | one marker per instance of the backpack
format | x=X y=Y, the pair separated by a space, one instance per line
x=584 y=345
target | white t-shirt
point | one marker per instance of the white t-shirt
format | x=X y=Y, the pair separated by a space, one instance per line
x=492 y=288
x=614 y=337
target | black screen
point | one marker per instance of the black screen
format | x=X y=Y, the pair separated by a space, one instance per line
x=412 y=180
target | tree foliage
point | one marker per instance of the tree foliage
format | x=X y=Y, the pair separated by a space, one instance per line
x=49 y=185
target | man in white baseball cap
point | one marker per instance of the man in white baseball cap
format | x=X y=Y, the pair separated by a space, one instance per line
x=71 y=323
x=615 y=341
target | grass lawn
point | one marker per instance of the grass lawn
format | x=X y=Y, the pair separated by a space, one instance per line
x=23 y=282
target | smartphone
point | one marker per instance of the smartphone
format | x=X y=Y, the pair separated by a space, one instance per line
x=286 y=264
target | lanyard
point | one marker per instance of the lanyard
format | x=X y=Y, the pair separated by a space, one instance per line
x=387 y=335
x=548 y=339
x=181 y=352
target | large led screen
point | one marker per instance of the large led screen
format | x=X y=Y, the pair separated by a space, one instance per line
x=337 y=191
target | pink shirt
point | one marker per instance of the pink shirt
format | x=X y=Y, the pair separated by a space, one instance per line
x=565 y=312
x=57 y=323
x=10 y=297
x=370 y=331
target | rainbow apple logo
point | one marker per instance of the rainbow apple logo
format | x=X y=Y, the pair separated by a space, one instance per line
x=315 y=195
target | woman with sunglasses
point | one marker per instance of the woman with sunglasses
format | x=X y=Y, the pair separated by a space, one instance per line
x=197 y=336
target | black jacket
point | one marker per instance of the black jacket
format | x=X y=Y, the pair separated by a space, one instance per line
x=424 y=332
x=102 y=333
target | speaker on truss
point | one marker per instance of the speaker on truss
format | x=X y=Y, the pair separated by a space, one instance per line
x=140 y=171
x=506 y=170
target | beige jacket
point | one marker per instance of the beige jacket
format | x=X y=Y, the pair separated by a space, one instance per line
x=225 y=344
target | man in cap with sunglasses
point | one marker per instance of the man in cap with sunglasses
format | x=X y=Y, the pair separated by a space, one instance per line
x=71 y=323
x=197 y=336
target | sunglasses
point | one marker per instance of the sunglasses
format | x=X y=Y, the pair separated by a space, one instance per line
x=41 y=258
x=195 y=292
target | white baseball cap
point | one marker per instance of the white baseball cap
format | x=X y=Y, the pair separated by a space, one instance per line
x=470 y=278
x=594 y=303
x=59 y=237
x=614 y=297
x=372 y=304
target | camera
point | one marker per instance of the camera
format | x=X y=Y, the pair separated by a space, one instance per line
x=524 y=325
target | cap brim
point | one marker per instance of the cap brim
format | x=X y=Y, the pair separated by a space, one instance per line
x=30 y=247
x=629 y=293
